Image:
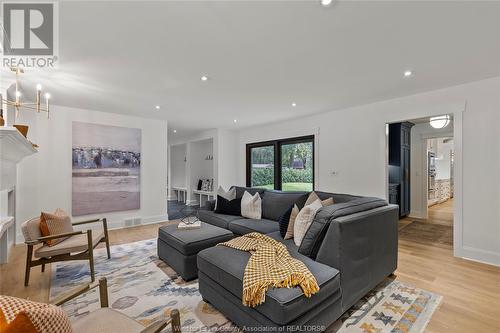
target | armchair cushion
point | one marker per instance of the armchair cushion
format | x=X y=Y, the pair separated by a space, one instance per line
x=72 y=244
x=19 y=315
x=31 y=229
x=55 y=223
x=106 y=320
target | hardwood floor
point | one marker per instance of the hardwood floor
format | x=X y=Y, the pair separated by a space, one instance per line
x=471 y=290
x=441 y=213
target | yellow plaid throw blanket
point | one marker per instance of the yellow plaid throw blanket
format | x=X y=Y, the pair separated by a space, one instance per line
x=270 y=265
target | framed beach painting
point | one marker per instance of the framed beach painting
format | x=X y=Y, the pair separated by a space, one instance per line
x=106 y=168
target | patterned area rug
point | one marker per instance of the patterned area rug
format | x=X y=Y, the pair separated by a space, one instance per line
x=145 y=288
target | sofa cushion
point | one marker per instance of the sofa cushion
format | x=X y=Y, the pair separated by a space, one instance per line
x=337 y=197
x=245 y=226
x=226 y=266
x=315 y=234
x=276 y=203
x=219 y=220
x=240 y=190
x=190 y=242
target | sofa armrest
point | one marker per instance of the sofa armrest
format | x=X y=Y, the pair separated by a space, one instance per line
x=364 y=248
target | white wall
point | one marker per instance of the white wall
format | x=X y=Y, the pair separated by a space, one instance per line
x=44 y=179
x=227 y=172
x=178 y=165
x=200 y=167
x=352 y=142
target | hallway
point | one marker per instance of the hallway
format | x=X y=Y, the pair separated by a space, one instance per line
x=437 y=230
x=441 y=213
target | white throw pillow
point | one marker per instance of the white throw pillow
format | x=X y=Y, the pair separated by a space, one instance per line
x=303 y=221
x=251 y=206
x=228 y=195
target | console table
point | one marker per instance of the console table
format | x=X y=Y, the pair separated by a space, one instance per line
x=181 y=193
x=202 y=194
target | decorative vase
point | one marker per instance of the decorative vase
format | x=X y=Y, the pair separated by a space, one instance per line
x=23 y=129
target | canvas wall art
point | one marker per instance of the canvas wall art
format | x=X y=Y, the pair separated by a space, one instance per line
x=106 y=168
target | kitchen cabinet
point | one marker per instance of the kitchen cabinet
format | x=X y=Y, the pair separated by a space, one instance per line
x=399 y=163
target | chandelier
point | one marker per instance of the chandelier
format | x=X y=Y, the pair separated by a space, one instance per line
x=18 y=104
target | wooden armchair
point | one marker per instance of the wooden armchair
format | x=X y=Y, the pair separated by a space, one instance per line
x=107 y=320
x=78 y=245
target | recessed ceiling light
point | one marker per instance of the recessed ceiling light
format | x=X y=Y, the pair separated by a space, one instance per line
x=294 y=104
x=157 y=107
x=235 y=121
x=408 y=73
x=175 y=131
x=204 y=78
x=326 y=3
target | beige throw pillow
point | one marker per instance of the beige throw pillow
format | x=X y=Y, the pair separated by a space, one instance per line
x=327 y=202
x=313 y=197
x=291 y=222
x=295 y=211
x=304 y=220
x=251 y=206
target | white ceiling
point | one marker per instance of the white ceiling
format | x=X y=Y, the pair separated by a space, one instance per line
x=127 y=57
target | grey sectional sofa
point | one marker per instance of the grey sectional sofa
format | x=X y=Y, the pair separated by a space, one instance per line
x=350 y=248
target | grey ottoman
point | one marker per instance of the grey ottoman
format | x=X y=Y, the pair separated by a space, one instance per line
x=178 y=248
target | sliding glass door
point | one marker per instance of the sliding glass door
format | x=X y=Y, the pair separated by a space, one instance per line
x=286 y=164
x=297 y=166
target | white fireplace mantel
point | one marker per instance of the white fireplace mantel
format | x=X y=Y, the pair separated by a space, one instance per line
x=13 y=148
x=13 y=145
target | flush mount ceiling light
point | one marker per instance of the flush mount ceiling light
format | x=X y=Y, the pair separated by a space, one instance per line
x=440 y=121
x=294 y=104
x=175 y=131
x=326 y=3
x=235 y=121
x=204 y=78
x=157 y=107
x=408 y=73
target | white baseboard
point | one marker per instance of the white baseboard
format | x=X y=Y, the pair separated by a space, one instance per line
x=133 y=222
x=482 y=256
x=416 y=214
x=119 y=224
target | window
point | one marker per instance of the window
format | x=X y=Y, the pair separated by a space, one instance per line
x=286 y=165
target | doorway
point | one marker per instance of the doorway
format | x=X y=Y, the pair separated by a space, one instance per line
x=420 y=166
